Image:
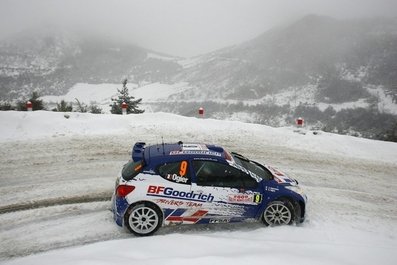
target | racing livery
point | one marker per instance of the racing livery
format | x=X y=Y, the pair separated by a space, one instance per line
x=193 y=183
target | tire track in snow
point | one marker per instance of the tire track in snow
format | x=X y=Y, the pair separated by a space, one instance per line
x=105 y=196
x=87 y=166
x=33 y=231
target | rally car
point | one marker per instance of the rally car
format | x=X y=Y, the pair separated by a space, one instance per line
x=172 y=184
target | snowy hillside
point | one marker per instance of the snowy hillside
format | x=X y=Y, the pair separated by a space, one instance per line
x=335 y=73
x=153 y=93
x=380 y=115
x=51 y=61
x=57 y=174
x=339 y=58
x=102 y=94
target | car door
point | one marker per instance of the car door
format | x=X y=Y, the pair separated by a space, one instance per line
x=233 y=193
x=174 y=195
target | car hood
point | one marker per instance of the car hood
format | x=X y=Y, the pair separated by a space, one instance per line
x=280 y=177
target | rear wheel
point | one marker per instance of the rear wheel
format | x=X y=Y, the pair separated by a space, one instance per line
x=278 y=213
x=143 y=219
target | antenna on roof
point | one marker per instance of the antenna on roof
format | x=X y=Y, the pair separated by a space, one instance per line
x=162 y=141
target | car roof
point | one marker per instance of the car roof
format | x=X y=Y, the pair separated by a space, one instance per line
x=165 y=152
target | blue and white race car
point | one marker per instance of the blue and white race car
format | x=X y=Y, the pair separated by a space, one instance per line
x=168 y=184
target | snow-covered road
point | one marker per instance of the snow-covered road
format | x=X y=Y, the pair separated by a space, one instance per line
x=62 y=183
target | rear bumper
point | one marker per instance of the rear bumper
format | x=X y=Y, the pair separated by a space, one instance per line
x=119 y=207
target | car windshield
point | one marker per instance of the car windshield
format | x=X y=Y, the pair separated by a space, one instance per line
x=252 y=166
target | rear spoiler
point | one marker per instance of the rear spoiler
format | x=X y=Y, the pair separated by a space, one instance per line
x=138 y=151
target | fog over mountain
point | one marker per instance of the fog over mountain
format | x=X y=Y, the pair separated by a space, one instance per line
x=315 y=50
x=178 y=27
x=51 y=62
x=340 y=74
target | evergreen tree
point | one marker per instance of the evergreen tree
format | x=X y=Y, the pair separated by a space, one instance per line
x=95 y=109
x=129 y=100
x=63 y=107
x=37 y=104
x=6 y=106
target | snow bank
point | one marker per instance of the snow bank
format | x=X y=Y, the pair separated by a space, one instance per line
x=344 y=226
x=336 y=246
x=20 y=126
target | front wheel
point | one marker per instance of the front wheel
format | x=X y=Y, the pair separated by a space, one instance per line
x=143 y=219
x=278 y=213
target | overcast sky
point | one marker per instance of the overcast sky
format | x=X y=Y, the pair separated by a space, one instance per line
x=178 y=27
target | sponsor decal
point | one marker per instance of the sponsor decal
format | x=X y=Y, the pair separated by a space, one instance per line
x=193 y=204
x=283 y=179
x=170 y=202
x=279 y=176
x=276 y=171
x=195 y=152
x=245 y=198
x=205 y=159
x=168 y=192
x=179 y=216
x=178 y=203
x=271 y=189
x=241 y=198
x=219 y=221
x=176 y=178
x=194 y=147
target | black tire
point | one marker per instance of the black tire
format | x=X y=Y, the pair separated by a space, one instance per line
x=278 y=213
x=143 y=219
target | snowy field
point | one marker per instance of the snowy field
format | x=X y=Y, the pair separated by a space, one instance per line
x=101 y=94
x=57 y=175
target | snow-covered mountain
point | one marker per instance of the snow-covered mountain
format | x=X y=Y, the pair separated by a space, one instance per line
x=340 y=76
x=340 y=58
x=52 y=61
